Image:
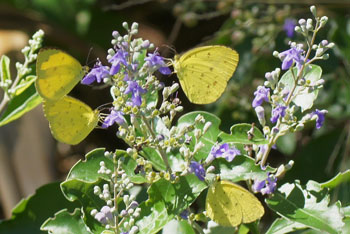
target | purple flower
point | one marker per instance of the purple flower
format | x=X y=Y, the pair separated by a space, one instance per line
x=135 y=89
x=116 y=60
x=289 y=25
x=197 y=169
x=277 y=112
x=113 y=117
x=261 y=94
x=155 y=61
x=184 y=214
x=266 y=186
x=320 y=117
x=97 y=73
x=294 y=54
x=222 y=151
x=105 y=215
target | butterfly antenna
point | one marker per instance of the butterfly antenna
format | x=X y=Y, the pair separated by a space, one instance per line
x=168 y=48
x=105 y=106
x=88 y=56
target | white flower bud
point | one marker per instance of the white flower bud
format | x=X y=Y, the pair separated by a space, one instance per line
x=206 y=127
x=330 y=45
x=210 y=169
x=198 y=146
x=297 y=29
x=134 y=230
x=134 y=26
x=302 y=21
x=313 y=11
x=126 y=199
x=197 y=133
x=174 y=87
x=260 y=112
x=166 y=92
x=125 y=25
x=179 y=109
x=93 y=212
x=199 y=118
x=323 y=21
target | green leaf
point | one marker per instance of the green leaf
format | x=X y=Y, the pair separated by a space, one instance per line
x=5 y=75
x=281 y=226
x=154 y=217
x=66 y=223
x=337 y=180
x=86 y=170
x=24 y=84
x=209 y=138
x=129 y=165
x=82 y=179
x=303 y=97
x=239 y=135
x=30 y=213
x=287 y=144
x=21 y=104
x=212 y=133
x=240 y=168
x=308 y=205
x=177 y=196
x=167 y=200
x=154 y=156
x=178 y=227
x=83 y=192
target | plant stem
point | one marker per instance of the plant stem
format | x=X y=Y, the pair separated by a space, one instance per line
x=197 y=227
x=161 y=151
x=6 y=98
x=274 y=138
x=116 y=194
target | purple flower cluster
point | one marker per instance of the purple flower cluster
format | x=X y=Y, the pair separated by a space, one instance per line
x=124 y=63
x=97 y=73
x=156 y=62
x=222 y=151
x=113 y=117
x=119 y=58
x=266 y=186
x=261 y=94
x=197 y=169
x=278 y=112
x=294 y=54
x=320 y=117
x=105 y=215
x=135 y=89
x=288 y=27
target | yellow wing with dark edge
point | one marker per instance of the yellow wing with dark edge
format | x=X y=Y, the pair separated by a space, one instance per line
x=229 y=204
x=57 y=73
x=70 y=119
x=204 y=72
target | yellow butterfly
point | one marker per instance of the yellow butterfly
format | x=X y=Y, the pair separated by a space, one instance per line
x=57 y=73
x=229 y=204
x=70 y=119
x=204 y=72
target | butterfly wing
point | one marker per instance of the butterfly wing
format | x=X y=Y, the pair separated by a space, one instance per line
x=57 y=73
x=204 y=72
x=70 y=119
x=250 y=205
x=222 y=207
x=229 y=204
